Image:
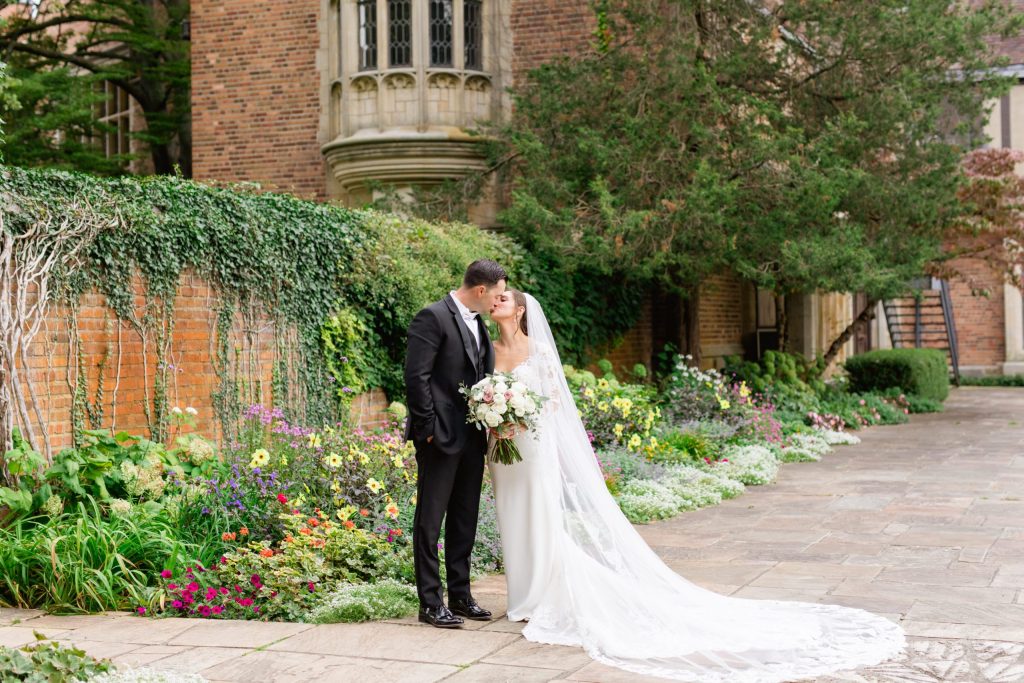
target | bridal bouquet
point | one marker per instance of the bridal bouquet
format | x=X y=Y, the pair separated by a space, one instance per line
x=503 y=406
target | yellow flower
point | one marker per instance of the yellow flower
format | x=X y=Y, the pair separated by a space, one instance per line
x=373 y=485
x=314 y=440
x=744 y=391
x=398 y=462
x=336 y=487
x=618 y=430
x=603 y=406
x=346 y=512
x=654 y=442
x=413 y=500
x=602 y=383
x=634 y=442
x=723 y=404
x=260 y=457
x=392 y=510
x=334 y=461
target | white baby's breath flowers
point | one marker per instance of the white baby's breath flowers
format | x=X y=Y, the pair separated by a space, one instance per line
x=191 y=411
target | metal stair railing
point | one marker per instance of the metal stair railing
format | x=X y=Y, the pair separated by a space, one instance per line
x=947 y=314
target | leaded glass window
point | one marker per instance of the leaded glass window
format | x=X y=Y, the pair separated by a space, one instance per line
x=399 y=33
x=472 y=20
x=441 y=16
x=367 y=34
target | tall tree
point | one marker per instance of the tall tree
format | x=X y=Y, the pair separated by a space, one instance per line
x=807 y=144
x=138 y=45
x=51 y=121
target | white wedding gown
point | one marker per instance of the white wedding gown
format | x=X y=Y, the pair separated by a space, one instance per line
x=581 y=575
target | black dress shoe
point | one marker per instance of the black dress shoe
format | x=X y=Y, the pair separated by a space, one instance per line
x=469 y=609
x=441 y=617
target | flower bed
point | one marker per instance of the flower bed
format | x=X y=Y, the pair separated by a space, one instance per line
x=293 y=523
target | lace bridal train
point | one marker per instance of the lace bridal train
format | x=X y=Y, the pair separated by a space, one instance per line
x=582 y=575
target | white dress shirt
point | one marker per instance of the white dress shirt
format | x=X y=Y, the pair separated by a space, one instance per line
x=470 y=318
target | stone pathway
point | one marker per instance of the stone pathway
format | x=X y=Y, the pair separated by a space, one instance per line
x=922 y=522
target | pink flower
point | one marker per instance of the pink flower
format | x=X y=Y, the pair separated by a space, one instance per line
x=141 y=610
x=218 y=609
x=177 y=604
x=255 y=580
x=311 y=587
x=166 y=574
x=193 y=587
x=281 y=498
x=172 y=586
x=223 y=590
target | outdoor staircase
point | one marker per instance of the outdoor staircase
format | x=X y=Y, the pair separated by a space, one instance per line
x=925 y=321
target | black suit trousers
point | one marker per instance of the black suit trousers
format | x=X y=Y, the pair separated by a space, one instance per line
x=452 y=482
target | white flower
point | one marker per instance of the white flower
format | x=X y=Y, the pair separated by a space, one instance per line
x=519 y=387
x=492 y=419
x=500 y=388
x=518 y=403
x=176 y=410
x=191 y=411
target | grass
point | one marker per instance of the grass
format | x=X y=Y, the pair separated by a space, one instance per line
x=82 y=561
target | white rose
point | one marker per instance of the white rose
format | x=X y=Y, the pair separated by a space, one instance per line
x=481 y=412
x=500 y=388
x=492 y=419
x=519 y=387
x=518 y=403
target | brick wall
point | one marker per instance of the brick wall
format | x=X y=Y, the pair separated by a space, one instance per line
x=721 y=318
x=255 y=94
x=130 y=365
x=635 y=347
x=980 y=321
x=545 y=29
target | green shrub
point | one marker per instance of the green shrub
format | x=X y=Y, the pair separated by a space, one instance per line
x=789 y=379
x=993 y=381
x=685 y=446
x=46 y=661
x=388 y=599
x=916 y=371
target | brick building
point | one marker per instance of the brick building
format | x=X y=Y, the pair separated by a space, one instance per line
x=988 y=313
x=322 y=98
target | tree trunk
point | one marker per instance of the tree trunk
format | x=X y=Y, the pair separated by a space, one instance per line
x=867 y=314
x=163 y=163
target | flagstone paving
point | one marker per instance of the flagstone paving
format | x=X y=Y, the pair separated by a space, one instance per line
x=922 y=522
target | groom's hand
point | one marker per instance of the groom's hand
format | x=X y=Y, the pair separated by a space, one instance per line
x=430 y=439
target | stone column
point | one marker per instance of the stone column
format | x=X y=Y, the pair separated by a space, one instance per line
x=1013 y=306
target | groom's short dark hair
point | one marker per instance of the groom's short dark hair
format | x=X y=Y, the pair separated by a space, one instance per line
x=483 y=272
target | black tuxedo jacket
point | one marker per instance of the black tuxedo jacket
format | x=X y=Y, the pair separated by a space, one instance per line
x=442 y=354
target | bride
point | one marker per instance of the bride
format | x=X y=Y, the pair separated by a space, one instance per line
x=580 y=575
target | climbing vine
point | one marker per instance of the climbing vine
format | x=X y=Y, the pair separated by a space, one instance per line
x=336 y=287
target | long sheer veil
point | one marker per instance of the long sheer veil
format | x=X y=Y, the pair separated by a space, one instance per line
x=616 y=598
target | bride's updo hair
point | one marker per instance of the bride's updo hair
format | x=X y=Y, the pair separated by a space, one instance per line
x=520 y=300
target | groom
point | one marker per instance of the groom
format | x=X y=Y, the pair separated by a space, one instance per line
x=449 y=345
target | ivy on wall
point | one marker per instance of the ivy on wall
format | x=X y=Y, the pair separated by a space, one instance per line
x=339 y=285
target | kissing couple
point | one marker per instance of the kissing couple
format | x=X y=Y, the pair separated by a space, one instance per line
x=576 y=570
